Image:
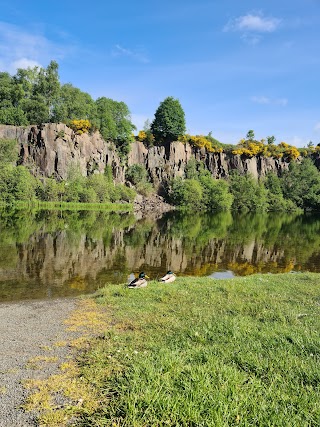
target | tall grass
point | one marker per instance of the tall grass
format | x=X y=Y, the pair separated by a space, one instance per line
x=204 y=352
x=74 y=206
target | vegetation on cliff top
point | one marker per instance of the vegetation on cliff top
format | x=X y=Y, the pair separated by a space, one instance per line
x=34 y=96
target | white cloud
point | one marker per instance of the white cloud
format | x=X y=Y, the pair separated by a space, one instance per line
x=260 y=99
x=138 y=55
x=25 y=63
x=270 y=101
x=20 y=48
x=253 y=23
x=281 y=101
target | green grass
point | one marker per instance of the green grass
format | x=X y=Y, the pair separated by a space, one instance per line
x=204 y=352
x=73 y=206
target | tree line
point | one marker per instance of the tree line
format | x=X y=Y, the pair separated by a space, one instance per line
x=36 y=96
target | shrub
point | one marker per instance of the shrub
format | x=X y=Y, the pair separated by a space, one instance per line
x=136 y=174
x=216 y=195
x=186 y=193
x=80 y=126
x=248 y=193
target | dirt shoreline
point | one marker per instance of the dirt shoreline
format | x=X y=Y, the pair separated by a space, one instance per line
x=29 y=329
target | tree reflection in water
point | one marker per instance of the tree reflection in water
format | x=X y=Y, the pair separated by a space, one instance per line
x=53 y=253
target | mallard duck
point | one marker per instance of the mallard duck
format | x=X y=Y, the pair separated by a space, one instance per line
x=139 y=282
x=168 y=278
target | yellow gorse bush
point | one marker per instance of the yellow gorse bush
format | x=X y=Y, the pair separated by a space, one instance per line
x=80 y=126
x=250 y=148
x=145 y=137
x=200 y=141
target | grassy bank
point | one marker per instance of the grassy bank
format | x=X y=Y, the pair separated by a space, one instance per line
x=72 y=206
x=204 y=352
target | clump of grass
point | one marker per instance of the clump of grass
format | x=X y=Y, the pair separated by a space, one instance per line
x=78 y=395
x=38 y=361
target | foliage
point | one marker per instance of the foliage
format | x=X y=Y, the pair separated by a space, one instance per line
x=169 y=121
x=146 y=137
x=301 y=184
x=250 y=147
x=80 y=126
x=200 y=141
x=16 y=183
x=276 y=200
x=8 y=151
x=115 y=123
x=216 y=195
x=248 y=193
x=136 y=173
x=186 y=193
x=73 y=104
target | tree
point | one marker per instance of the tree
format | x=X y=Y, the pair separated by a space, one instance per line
x=250 y=135
x=271 y=140
x=115 y=123
x=73 y=104
x=301 y=184
x=248 y=193
x=169 y=121
x=48 y=86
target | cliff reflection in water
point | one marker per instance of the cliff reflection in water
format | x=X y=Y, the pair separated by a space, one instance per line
x=49 y=254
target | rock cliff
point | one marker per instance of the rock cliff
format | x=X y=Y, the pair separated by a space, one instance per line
x=52 y=149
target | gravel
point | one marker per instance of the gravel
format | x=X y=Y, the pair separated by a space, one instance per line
x=26 y=328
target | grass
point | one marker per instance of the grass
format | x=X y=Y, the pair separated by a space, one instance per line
x=205 y=352
x=73 y=206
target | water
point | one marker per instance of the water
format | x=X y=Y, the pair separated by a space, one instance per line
x=54 y=254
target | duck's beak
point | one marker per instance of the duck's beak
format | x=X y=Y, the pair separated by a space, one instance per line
x=147 y=277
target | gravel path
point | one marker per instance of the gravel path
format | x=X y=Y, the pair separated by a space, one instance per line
x=28 y=329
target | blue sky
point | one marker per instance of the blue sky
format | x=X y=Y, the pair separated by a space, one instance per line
x=234 y=65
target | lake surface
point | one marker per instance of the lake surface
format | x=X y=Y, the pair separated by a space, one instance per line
x=59 y=253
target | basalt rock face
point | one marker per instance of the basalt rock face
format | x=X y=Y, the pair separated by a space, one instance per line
x=162 y=165
x=52 y=149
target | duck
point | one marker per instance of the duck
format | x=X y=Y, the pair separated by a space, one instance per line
x=168 y=278
x=139 y=282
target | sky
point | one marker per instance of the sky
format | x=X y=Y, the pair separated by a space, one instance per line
x=233 y=65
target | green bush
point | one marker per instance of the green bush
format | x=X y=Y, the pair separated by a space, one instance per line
x=186 y=193
x=249 y=194
x=101 y=186
x=136 y=174
x=216 y=195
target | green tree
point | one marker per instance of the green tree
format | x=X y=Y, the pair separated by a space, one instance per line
x=169 y=121
x=8 y=151
x=73 y=104
x=216 y=195
x=186 y=193
x=47 y=87
x=248 y=193
x=250 y=135
x=115 y=123
x=301 y=184
x=271 y=140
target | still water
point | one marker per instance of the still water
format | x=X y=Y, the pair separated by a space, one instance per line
x=49 y=254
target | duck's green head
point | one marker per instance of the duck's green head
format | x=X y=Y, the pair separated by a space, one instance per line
x=142 y=275
x=169 y=272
